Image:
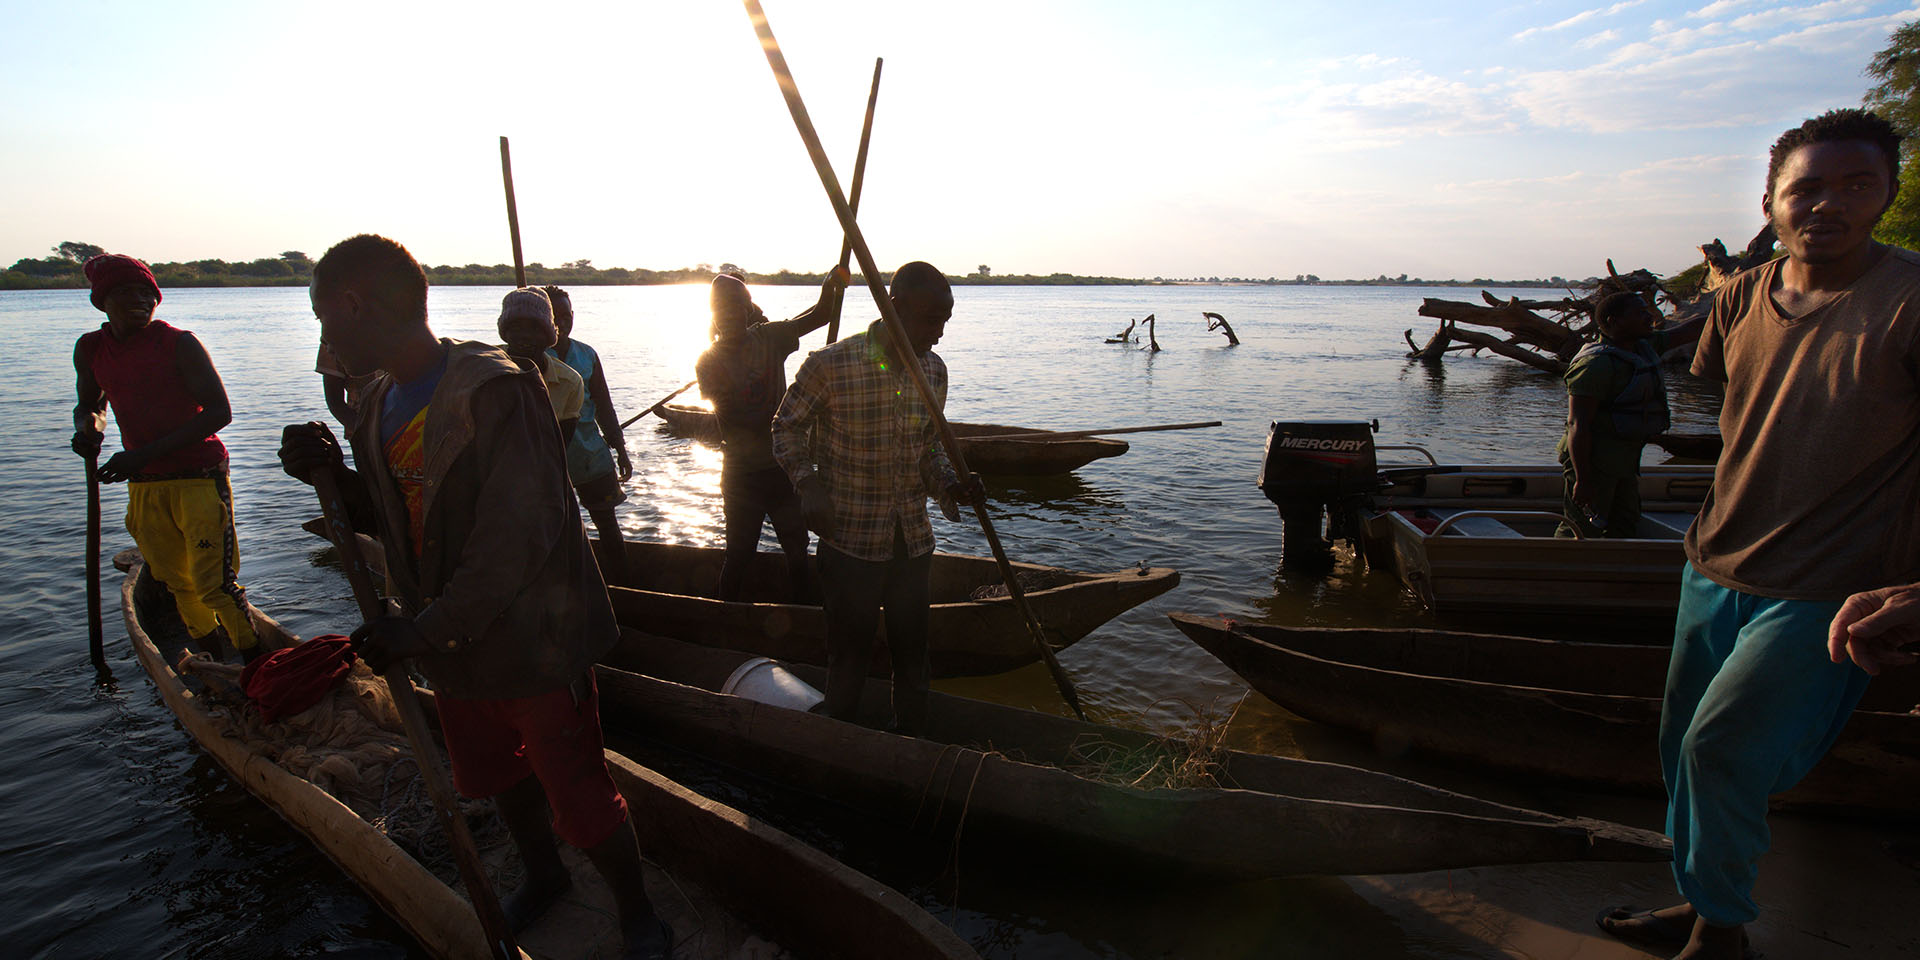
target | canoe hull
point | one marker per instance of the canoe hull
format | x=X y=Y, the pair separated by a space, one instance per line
x=1502 y=703
x=1040 y=455
x=1287 y=818
x=965 y=637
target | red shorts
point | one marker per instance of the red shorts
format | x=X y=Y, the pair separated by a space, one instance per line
x=495 y=744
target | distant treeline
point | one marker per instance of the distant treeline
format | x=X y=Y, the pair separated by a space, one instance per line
x=293 y=268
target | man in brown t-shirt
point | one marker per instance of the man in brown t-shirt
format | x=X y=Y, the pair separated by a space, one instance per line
x=1814 y=500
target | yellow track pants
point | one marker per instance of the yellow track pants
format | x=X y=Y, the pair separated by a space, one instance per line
x=184 y=529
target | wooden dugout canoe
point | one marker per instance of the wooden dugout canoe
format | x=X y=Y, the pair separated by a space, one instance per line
x=732 y=875
x=672 y=587
x=987 y=766
x=1578 y=712
x=1479 y=539
x=1034 y=453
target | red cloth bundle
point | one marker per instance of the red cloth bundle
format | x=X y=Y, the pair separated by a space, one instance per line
x=294 y=678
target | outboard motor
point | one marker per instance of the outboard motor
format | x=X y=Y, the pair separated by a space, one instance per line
x=1315 y=470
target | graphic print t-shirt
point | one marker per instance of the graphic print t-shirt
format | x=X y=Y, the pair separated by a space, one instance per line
x=403 y=420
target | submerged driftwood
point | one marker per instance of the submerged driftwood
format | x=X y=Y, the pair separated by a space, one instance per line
x=1218 y=322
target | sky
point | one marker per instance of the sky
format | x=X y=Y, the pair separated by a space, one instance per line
x=1176 y=139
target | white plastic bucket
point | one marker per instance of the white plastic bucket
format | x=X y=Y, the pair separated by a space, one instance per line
x=765 y=681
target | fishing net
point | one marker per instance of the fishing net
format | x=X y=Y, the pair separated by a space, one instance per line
x=352 y=745
x=1193 y=758
x=1031 y=581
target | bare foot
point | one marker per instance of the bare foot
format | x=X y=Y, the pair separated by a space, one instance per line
x=1667 y=926
x=1709 y=942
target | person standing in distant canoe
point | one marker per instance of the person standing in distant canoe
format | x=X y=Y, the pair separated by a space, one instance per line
x=863 y=451
x=1811 y=517
x=744 y=376
x=170 y=404
x=1616 y=402
x=596 y=440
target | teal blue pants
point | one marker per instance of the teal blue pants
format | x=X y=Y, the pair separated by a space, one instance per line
x=1752 y=703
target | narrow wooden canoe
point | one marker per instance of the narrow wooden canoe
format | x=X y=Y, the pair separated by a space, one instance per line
x=989 y=766
x=1578 y=712
x=672 y=587
x=674 y=584
x=694 y=423
x=1480 y=539
x=725 y=865
x=1036 y=454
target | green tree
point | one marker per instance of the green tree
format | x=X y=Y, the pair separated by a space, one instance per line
x=78 y=252
x=986 y=271
x=1896 y=96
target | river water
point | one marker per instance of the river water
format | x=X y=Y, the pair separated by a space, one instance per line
x=121 y=840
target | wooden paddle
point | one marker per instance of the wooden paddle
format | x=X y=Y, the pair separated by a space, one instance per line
x=853 y=202
x=513 y=215
x=426 y=753
x=1076 y=434
x=897 y=339
x=663 y=402
x=96 y=634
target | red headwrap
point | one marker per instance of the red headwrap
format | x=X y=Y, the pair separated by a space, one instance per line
x=110 y=270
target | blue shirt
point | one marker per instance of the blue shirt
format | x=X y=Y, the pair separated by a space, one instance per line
x=588 y=456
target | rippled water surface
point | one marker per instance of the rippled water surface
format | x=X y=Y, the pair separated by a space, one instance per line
x=119 y=839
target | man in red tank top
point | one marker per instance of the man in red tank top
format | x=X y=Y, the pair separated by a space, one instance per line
x=169 y=404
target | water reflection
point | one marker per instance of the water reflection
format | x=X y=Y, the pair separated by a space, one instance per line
x=1065 y=493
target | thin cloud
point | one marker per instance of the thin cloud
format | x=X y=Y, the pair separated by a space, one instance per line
x=1598 y=39
x=1781 y=16
x=1734 y=82
x=1392 y=103
x=1579 y=18
x=1717 y=8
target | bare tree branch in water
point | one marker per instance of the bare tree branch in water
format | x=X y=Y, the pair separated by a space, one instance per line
x=1218 y=322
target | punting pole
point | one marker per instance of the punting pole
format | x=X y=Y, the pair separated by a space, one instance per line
x=897 y=338
x=1076 y=434
x=96 y=634
x=853 y=202
x=426 y=753
x=513 y=215
x=663 y=402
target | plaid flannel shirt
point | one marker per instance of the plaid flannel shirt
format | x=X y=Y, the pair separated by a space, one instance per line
x=857 y=419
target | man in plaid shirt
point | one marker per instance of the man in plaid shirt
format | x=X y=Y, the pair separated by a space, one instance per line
x=862 y=449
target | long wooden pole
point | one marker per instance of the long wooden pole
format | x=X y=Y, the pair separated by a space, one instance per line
x=513 y=215
x=426 y=753
x=1076 y=434
x=96 y=633
x=901 y=347
x=853 y=201
x=663 y=402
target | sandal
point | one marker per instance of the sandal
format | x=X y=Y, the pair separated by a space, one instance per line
x=1648 y=928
